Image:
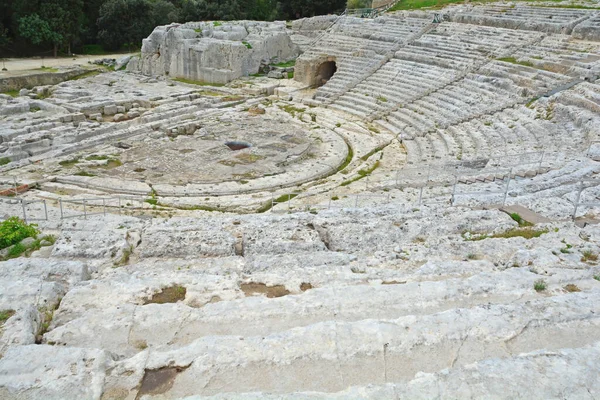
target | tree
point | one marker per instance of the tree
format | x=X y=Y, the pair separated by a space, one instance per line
x=38 y=31
x=125 y=22
x=57 y=22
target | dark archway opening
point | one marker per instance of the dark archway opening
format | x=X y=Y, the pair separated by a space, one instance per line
x=325 y=72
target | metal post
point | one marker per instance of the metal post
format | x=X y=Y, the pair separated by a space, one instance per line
x=577 y=200
x=61 y=208
x=84 y=210
x=289 y=200
x=119 y=197
x=24 y=212
x=104 y=206
x=45 y=210
x=507 y=185
x=454 y=190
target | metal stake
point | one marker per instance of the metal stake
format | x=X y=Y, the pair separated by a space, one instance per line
x=24 y=212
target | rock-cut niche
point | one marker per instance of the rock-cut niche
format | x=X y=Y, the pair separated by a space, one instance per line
x=325 y=72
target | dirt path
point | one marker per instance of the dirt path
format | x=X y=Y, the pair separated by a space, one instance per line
x=24 y=64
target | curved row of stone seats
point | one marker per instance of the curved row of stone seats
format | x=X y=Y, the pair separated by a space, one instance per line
x=522 y=17
x=494 y=88
x=355 y=54
x=510 y=131
x=562 y=54
x=381 y=29
x=588 y=29
x=397 y=82
x=440 y=57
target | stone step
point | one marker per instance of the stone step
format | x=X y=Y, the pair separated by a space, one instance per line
x=507 y=378
x=223 y=312
x=333 y=355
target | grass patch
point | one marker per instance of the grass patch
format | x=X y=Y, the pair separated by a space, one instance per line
x=281 y=199
x=286 y=64
x=516 y=217
x=597 y=277
x=248 y=45
x=4 y=161
x=362 y=174
x=285 y=198
x=520 y=232
x=416 y=4
x=524 y=232
x=5 y=315
x=381 y=99
x=199 y=83
x=125 y=256
x=69 y=163
x=290 y=75
x=374 y=151
x=12 y=93
x=347 y=160
x=530 y=102
x=95 y=157
x=589 y=256
x=290 y=109
x=217 y=23
x=513 y=60
x=539 y=285
x=85 y=75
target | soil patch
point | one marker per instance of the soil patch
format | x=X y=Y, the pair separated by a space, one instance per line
x=252 y=288
x=172 y=294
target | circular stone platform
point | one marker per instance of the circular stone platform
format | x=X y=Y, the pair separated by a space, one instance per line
x=232 y=153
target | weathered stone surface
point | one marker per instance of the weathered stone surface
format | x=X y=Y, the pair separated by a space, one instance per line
x=214 y=53
x=48 y=372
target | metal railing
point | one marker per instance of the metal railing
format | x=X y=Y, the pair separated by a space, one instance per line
x=583 y=185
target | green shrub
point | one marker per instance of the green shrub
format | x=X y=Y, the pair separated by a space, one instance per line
x=4 y=161
x=539 y=285
x=16 y=251
x=13 y=230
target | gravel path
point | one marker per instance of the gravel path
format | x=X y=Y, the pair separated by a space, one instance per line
x=24 y=64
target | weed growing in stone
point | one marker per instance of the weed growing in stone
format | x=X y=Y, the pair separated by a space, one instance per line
x=539 y=285
x=589 y=256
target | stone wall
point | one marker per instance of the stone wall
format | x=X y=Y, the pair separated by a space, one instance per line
x=214 y=52
x=38 y=79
